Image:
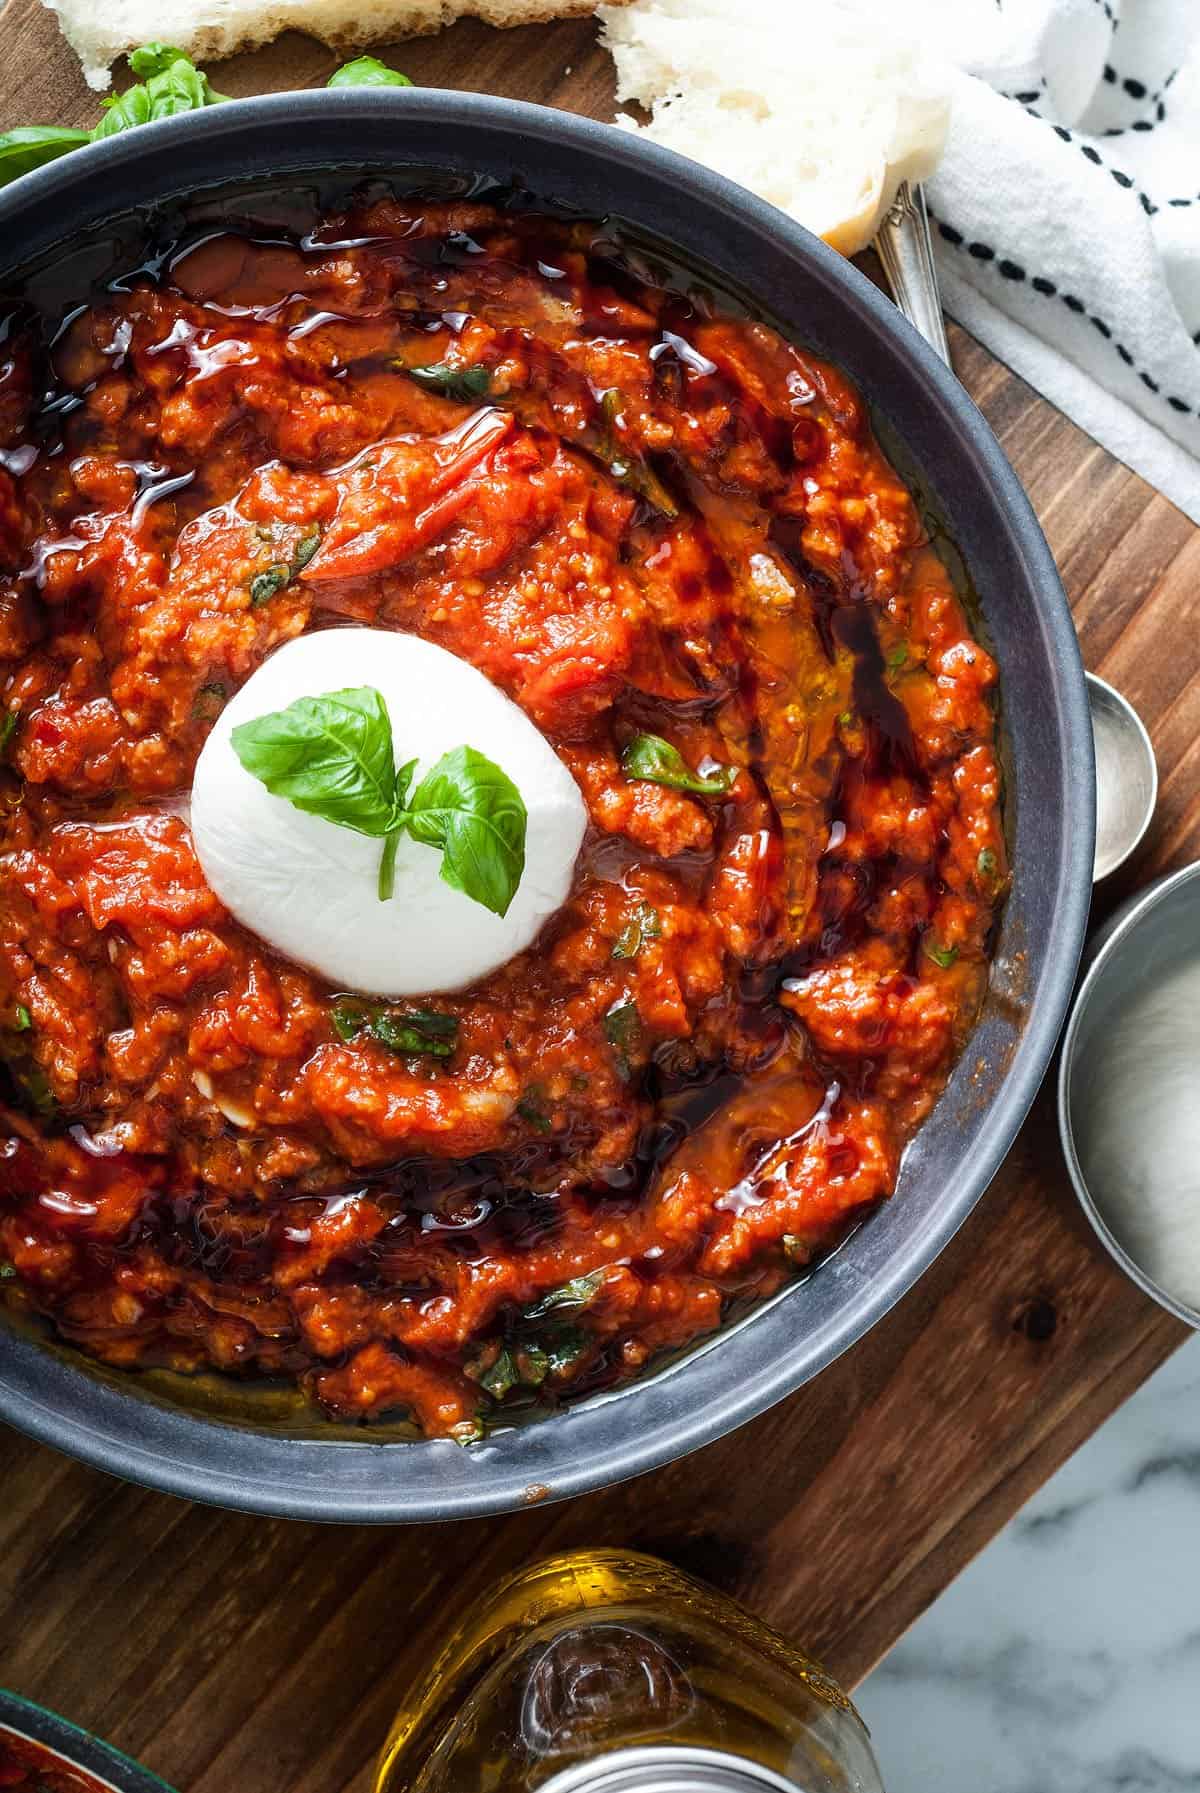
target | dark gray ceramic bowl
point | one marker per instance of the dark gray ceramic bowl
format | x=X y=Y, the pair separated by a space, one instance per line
x=67 y=1747
x=177 y=1443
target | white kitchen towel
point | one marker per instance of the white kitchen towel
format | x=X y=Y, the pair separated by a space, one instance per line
x=1066 y=213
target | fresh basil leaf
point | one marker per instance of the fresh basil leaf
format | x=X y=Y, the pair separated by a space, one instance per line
x=153 y=59
x=651 y=758
x=169 y=83
x=8 y=728
x=464 y=383
x=570 y=1297
x=645 y=924
x=474 y=812
x=329 y=756
x=941 y=955
x=421 y=1030
x=32 y=146
x=24 y=1019
x=174 y=86
x=367 y=71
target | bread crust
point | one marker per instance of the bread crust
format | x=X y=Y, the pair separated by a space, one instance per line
x=100 y=35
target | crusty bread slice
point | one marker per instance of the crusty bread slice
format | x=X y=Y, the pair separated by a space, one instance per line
x=821 y=106
x=100 y=33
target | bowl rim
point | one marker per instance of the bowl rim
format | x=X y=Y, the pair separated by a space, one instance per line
x=38 y=1724
x=1113 y=938
x=126 y=1434
x=1141 y=734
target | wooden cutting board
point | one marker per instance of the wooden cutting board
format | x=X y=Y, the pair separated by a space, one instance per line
x=244 y=1654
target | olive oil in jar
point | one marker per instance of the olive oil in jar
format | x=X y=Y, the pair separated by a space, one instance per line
x=609 y=1672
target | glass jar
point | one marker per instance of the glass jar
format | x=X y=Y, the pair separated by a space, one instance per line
x=608 y=1672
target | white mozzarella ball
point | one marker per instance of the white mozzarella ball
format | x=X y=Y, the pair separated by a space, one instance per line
x=309 y=887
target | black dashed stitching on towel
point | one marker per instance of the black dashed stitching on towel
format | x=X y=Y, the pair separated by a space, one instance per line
x=1091 y=154
x=1011 y=270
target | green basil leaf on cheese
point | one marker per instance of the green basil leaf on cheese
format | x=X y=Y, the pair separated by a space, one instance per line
x=329 y=756
x=474 y=812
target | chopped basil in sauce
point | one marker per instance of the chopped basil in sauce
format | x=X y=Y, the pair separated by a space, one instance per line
x=413 y=1031
x=645 y=924
x=651 y=758
x=570 y=1297
x=467 y=384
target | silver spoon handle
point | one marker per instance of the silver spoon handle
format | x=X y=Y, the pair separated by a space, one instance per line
x=905 y=248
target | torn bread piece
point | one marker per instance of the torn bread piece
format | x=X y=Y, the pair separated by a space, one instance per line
x=821 y=106
x=207 y=29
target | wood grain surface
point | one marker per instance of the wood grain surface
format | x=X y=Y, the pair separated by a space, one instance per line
x=239 y=1654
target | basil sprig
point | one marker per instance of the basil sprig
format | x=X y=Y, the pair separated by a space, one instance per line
x=332 y=756
x=168 y=82
x=651 y=758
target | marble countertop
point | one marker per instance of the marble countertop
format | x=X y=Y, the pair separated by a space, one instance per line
x=1066 y=1658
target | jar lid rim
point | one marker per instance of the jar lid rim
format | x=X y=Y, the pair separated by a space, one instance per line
x=669 y=1768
